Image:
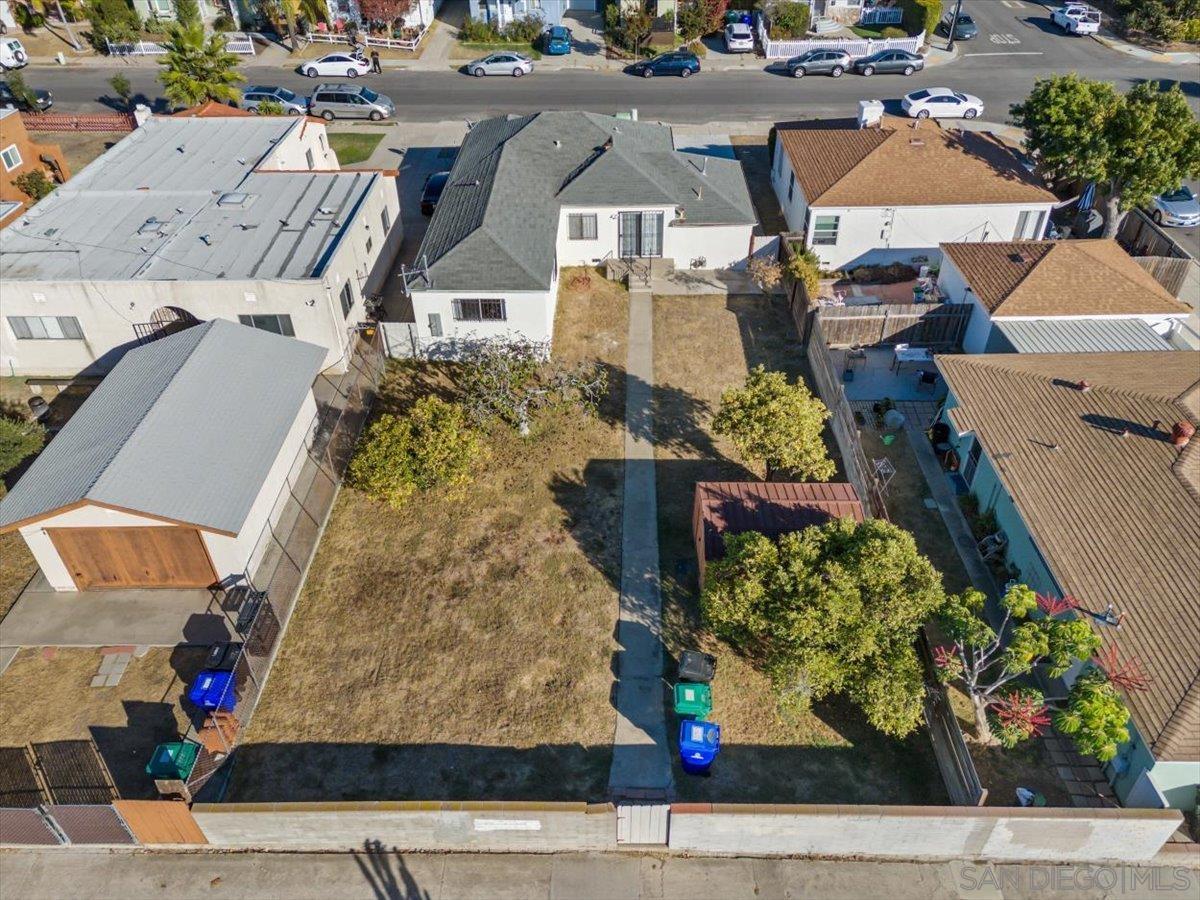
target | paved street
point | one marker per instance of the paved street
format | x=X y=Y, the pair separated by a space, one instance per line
x=33 y=874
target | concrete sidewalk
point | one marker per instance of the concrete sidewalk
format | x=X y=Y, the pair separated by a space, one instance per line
x=384 y=875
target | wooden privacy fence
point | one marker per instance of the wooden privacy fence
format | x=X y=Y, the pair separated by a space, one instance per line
x=924 y=324
x=1179 y=276
x=1141 y=237
x=61 y=122
x=949 y=748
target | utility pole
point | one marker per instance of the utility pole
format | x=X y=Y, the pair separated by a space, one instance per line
x=954 y=24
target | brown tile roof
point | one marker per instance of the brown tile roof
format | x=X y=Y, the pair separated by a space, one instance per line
x=1060 y=278
x=771 y=508
x=1116 y=518
x=905 y=163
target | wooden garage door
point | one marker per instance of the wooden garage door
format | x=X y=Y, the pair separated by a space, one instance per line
x=162 y=557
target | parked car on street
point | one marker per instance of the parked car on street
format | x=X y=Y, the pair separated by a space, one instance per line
x=42 y=100
x=1177 y=209
x=941 y=103
x=889 y=62
x=819 y=62
x=556 y=41
x=12 y=54
x=350 y=101
x=337 y=65
x=293 y=104
x=964 y=29
x=431 y=192
x=739 y=38
x=507 y=62
x=1077 y=18
x=677 y=62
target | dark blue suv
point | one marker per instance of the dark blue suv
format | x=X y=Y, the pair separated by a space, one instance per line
x=677 y=62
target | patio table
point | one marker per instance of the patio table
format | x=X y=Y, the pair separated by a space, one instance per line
x=902 y=355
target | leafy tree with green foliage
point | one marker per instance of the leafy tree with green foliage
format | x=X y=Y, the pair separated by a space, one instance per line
x=21 y=90
x=112 y=20
x=1094 y=716
x=696 y=18
x=921 y=15
x=832 y=609
x=434 y=446
x=1133 y=146
x=773 y=422
x=628 y=29
x=269 y=108
x=122 y=88
x=804 y=266
x=34 y=184
x=187 y=12
x=513 y=380
x=788 y=19
x=18 y=439
x=197 y=68
x=1159 y=20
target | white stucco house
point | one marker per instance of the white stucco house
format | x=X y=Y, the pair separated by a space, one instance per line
x=531 y=194
x=1051 y=296
x=168 y=474
x=190 y=218
x=895 y=190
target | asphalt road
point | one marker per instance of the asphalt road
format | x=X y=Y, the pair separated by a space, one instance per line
x=1016 y=43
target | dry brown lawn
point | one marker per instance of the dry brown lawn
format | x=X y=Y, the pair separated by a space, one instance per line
x=79 y=147
x=52 y=700
x=461 y=649
x=830 y=755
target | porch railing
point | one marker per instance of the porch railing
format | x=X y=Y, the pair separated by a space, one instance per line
x=328 y=37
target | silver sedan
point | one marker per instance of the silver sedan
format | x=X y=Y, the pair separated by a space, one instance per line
x=506 y=62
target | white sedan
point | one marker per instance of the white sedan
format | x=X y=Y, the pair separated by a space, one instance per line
x=739 y=38
x=941 y=103
x=338 y=65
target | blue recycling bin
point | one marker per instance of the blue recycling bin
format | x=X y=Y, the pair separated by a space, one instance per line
x=699 y=744
x=213 y=690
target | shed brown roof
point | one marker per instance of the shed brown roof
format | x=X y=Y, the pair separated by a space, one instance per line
x=1112 y=506
x=1060 y=278
x=905 y=163
x=770 y=508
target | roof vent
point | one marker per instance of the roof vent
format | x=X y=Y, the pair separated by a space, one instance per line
x=241 y=160
x=325 y=210
x=1018 y=257
x=179 y=149
x=206 y=239
x=1181 y=433
x=234 y=198
x=916 y=142
x=149 y=226
x=1083 y=386
x=557 y=142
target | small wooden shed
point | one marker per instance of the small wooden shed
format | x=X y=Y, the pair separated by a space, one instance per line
x=770 y=508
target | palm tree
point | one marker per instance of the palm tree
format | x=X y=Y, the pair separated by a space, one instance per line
x=197 y=68
x=291 y=11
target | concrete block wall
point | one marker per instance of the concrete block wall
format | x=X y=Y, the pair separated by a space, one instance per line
x=497 y=827
x=915 y=832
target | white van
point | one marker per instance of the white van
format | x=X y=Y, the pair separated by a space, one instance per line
x=12 y=53
x=1077 y=18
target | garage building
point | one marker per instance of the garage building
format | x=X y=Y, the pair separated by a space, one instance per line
x=169 y=472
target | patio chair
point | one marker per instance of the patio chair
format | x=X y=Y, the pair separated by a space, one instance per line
x=926 y=380
x=993 y=546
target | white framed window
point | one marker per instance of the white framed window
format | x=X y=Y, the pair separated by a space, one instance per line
x=278 y=324
x=825 y=230
x=162 y=7
x=45 y=328
x=11 y=156
x=472 y=310
x=435 y=324
x=581 y=226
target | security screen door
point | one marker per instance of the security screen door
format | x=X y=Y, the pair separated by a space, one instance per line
x=640 y=234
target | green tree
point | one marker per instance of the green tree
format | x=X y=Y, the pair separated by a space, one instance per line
x=1133 y=146
x=788 y=19
x=1094 y=715
x=434 y=446
x=18 y=439
x=804 y=266
x=34 y=184
x=696 y=18
x=832 y=609
x=921 y=15
x=112 y=20
x=269 y=108
x=21 y=90
x=187 y=12
x=122 y=88
x=773 y=422
x=512 y=380
x=198 y=68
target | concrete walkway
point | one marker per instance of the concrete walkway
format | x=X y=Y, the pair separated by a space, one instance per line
x=641 y=764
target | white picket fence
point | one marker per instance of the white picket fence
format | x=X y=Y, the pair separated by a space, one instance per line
x=856 y=47
x=238 y=42
x=326 y=37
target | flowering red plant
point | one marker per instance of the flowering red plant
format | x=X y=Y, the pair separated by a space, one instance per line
x=1127 y=675
x=1053 y=606
x=1022 y=712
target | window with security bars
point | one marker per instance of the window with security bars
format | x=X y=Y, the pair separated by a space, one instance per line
x=581 y=227
x=479 y=311
x=279 y=324
x=45 y=328
x=825 y=230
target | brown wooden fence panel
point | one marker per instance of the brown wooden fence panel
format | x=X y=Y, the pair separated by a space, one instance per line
x=932 y=324
x=1141 y=237
x=160 y=821
x=1178 y=276
x=63 y=122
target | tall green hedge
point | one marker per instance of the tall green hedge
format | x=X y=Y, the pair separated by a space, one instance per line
x=921 y=15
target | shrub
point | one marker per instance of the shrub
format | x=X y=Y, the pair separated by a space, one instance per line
x=270 y=108
x=18 y=439
x=524 y=30
x=891 y=31
x=224 y=22
x=122 y=88
x=804 y=267
x=1153 y=18
x=34 y=184
x=921 y=15
x=112 y=20
x=433 y=446
x=1190 y=31
x=788 y=20
x=476 y=31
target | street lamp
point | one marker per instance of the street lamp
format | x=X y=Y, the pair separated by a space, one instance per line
x=954 y=24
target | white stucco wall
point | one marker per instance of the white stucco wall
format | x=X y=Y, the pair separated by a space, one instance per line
x=796 y=208
x=89 y=516
x=720 y=245
x=530 y=314
x=107 y=311
x=290 y=154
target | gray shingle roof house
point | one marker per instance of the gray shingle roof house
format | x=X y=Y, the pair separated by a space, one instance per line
x=530 y=194
x=190 y=430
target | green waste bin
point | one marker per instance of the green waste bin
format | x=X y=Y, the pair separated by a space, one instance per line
x=173 y=761
x=693 y=700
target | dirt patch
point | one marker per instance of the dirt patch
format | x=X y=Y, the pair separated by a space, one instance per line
x=462 y=649
x=79 y=147
x=829 y=755
x=754 y=154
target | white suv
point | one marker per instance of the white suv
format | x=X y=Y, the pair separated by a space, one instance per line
x=739 y=38
x=1077 y=18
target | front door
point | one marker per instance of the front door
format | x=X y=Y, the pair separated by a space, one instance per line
x=150 y=557
x=639 y=234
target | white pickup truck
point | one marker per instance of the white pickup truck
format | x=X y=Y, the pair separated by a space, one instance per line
x=1077 y=18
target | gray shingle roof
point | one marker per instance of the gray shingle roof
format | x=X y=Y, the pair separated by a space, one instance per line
x=185 y=428
x=497 y=219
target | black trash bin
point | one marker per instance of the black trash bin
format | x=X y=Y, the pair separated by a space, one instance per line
x=697 y=667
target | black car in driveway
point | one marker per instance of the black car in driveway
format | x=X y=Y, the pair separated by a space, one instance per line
x=819 y=62
x=890 y=62
x=431 y=193
x=43 y=100
x=964 y=30
x=677 y=62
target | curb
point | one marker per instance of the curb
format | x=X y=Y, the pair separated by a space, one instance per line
x=1112 y=42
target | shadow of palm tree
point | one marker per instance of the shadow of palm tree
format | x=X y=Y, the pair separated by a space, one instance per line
x=386 y=873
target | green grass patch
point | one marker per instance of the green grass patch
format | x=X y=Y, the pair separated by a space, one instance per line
x=352 y=147
x=470 y=51
x=872 y=33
